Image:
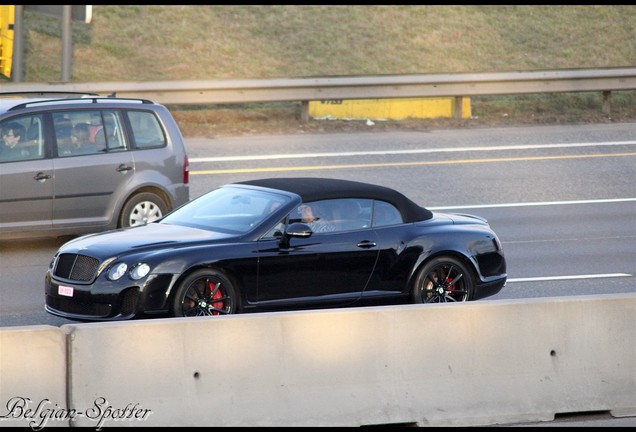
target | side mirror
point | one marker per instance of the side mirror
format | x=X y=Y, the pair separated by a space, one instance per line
x=298 y=229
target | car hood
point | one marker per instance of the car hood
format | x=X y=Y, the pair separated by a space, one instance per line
x=149 y=236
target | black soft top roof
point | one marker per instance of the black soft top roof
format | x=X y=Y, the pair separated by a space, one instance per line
x=315 y=188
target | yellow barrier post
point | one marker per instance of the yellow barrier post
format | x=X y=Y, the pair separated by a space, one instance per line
x=395 y=109
x=7 y=20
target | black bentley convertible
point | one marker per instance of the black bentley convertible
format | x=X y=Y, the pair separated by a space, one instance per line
x=277 y=244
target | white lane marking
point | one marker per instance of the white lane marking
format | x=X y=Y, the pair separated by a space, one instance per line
x=532 y=204
x=553 y=278
x=401 y=152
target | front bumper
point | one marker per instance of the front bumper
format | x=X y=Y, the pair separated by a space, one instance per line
x=79 y=303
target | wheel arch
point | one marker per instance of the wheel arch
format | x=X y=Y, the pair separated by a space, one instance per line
x=442 y=253
x=151 y=189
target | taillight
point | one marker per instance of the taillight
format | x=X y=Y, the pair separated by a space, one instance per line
x=186 y=170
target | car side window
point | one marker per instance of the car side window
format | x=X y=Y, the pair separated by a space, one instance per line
x=72 y=133
x=276 y=231
x=351 y=213
x=334 y=215
x=22 y=139
x=385 y=214
x=146 y=130
x=107 y=132
x=87 y=132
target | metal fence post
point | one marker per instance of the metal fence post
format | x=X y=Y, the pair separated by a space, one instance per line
x=458 y=108
x=607 y=102
x=304 y=112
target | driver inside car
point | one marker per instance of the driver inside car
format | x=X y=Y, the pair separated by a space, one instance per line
x=314 y=218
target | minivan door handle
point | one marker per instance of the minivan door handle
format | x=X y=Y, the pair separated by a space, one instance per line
x=123 y=168
x=41 y=177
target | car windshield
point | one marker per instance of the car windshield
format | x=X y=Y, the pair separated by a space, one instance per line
x=232 y=210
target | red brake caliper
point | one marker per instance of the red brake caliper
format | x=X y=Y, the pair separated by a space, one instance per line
x=217 y=295
x=451 y=287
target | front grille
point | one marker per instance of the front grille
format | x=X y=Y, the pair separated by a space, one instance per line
x=80 y=268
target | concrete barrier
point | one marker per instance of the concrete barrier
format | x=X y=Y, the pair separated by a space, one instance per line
x=33 y=381
x=479 y=363
x=468 y=364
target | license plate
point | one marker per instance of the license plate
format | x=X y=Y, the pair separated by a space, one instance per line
x=65 y=291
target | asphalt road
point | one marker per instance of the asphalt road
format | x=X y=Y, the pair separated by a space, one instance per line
x=561 y=198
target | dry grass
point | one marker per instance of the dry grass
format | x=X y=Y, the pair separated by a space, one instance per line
x=156 y=43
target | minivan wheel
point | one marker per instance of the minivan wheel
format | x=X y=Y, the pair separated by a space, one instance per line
x=142 y=208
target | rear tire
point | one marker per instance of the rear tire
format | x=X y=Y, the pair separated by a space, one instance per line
x=442 y=280
x=142 y=208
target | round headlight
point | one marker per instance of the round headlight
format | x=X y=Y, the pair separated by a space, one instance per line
x=117 y=271
x=139 y=271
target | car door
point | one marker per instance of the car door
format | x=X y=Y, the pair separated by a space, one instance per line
x=26 y=195
x=86 y=181
x=397 y=256
x=326 y=266
x=26 y=182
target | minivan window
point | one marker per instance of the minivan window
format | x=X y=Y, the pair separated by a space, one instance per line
x=22 y=138
x=146 y=130
x=112 y=133
x=87 y=132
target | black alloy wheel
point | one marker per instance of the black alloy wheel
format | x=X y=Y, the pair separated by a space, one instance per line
x=443 y=280
x=205 y=293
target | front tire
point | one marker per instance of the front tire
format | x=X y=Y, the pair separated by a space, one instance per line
x=141 y=209
x=442 y=280
x=205 y=293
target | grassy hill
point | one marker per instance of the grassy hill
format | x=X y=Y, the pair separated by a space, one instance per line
x=156 y=43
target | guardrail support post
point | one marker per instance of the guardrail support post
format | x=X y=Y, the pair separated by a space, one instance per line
x=607 y=102
x=458 y=107
x=304 y=112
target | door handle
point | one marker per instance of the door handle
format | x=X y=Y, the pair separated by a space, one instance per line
x=41 y=177
x=366 y=244
x=123 y=168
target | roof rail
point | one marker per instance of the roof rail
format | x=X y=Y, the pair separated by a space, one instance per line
x=46 y=93
x=93 y=99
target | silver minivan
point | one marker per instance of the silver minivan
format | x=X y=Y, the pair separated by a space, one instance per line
x=79 y=164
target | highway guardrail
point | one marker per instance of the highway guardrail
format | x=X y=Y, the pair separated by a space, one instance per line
x=457 y=85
